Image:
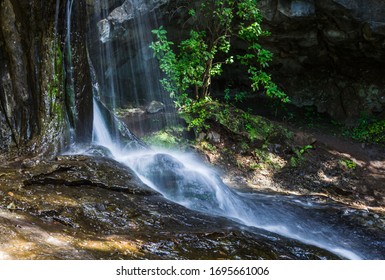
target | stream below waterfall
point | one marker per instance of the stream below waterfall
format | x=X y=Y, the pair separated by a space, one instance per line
x=183 y=179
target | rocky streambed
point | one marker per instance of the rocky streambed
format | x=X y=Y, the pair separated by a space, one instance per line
x=81 y=207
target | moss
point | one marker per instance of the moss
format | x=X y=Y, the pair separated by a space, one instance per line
x=56 y=85
x=168 y=138
x=202 y=115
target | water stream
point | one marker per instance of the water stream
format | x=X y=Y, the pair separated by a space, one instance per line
x=182 y=178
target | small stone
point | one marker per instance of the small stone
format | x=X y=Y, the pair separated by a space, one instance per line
x=100 y=207
x=155 y=107
x=104 y=28
x=214 y=137
x=201 y=136
x=11 y=206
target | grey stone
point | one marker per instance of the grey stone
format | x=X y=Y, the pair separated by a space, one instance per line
x=155 y=107
x=299 y=8
x=214 y=137
x=104 y=29
x=118 y=22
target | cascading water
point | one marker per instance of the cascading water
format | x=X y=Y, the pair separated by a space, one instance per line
x=69 y=78
x=127 y=72
x=185 y=180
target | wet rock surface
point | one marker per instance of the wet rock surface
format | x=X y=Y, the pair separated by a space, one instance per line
x=155 y=107
x=329 y=53
x=118 y=23
x=80 y=207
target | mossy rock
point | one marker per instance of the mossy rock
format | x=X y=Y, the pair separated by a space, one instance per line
x=237 y=123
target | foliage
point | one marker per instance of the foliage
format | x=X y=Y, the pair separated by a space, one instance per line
x=369 y=130
x=348 y=163
x=201 y=114
x=168 y=138
x=234 y=95
x=190 y=66
x=207 y=146
x=196 y=114
x=55 y=86
x=299 y=155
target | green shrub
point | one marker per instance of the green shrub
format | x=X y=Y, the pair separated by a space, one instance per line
x=189 y=66
x=369 y=130
x=348 y=163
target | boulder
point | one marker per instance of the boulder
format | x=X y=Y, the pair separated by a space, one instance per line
x=155 y=107
x=117 y=24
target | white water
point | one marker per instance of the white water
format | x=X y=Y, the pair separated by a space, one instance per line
x=185 y=180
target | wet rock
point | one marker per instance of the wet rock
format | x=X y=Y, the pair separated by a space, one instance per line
x=304 y=139
x=118 y=129
x=102 y=219
x=296 y=8
x=155 y=107
x=201 y=136
x=32 y=77
x=98 y=151
x=131 y=113
x=104 y=28
x=117 y=24
x=343 y=38
x=83 y=171
x=214 y=137
x=5 y=134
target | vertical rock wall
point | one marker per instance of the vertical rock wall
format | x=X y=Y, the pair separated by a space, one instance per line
x=82 y=113
x=34 y=118
x=329 y=53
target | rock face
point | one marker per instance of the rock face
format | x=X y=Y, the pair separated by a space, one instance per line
x=38 y=100
x=120 y=34
x=117 y=24
x=329 y=53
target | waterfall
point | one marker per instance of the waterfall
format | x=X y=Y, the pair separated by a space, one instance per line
x=183 y=178
x=127 y=72
x=69 y=74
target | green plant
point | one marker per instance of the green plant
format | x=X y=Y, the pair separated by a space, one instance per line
x=298 y=158
x=262 y=155
x=196 y=114
x=255 y=166
x=234 y=95
x=55 y=84
x=190 y=66
x=305 y=148
x=369 y=130
x=207 y=146
x=168 y=138
x=348 y=163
